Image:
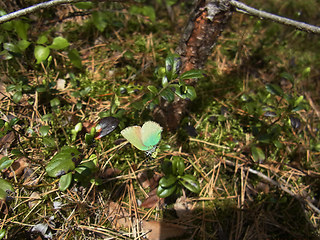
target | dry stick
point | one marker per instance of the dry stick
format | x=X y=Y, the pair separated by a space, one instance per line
x=33 y=8
x=241 y=7
x=275 y=183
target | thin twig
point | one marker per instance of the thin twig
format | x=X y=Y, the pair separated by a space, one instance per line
x=34 y=8
x=52 y=3
x=243 y=8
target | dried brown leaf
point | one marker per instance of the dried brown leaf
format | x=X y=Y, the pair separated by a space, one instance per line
x=17 y=166
x=6 y=141
x=149 y=182
x=143 y=179
x=161 y=231
x=36 y=196
x=152 y=200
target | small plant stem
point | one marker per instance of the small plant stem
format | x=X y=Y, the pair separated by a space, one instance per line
x=243 y=8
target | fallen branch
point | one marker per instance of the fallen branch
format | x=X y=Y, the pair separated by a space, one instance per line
x=243 y=8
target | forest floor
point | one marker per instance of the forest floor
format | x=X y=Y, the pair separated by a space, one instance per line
x=250 y=138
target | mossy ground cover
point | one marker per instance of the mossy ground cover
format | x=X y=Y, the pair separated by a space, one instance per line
x=250 y=138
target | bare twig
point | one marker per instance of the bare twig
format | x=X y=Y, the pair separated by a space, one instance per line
x=241 y=7
x=34 y=8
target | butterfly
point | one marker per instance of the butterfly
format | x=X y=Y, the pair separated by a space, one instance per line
x=105 y=126
x=144 y=138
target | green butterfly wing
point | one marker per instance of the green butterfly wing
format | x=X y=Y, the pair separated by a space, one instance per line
x=151 y=134
x=133 y=135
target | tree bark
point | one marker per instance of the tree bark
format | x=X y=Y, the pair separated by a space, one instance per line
x=201 y=33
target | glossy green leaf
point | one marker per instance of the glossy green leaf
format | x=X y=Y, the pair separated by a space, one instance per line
x=164 y=81
x=65 y=181
x=5 y=55
x=11 y=88
x=298 y=100
x=44 y=130
x=174 y=161
x=41 y=89
x=278 y=144
x=164 y=147
x=166 y=192
x=10 y=47
x=26 y=88
x=23 y=44
x=79 y=105
x=299 y=108
x=84 y=172
x=153 y=89
x=63 y=162
x=173 y=63
x=257 y=153
x=178 y=166
x=59 y=43
x=166 y=167
x=191 y=74
x=306 y=72
x=287 y=76
x=78 y=127
x=5 y=188
x=2 y=233
x=160 y=72
x=5 y=162
x=191 y=183
x=55 y=102
x=185 y=92
x=42 y=39
x=167 y=181
x=47 y=117
x=41 y=53
x=274 y=89
x=167 y=95
x=86 y=168
x=191 y=93
x=49 y=142
x=89 y=138
x=17 y=96
x=16 y=152
x=75 y=58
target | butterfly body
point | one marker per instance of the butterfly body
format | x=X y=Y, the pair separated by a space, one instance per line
x=144 y=138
